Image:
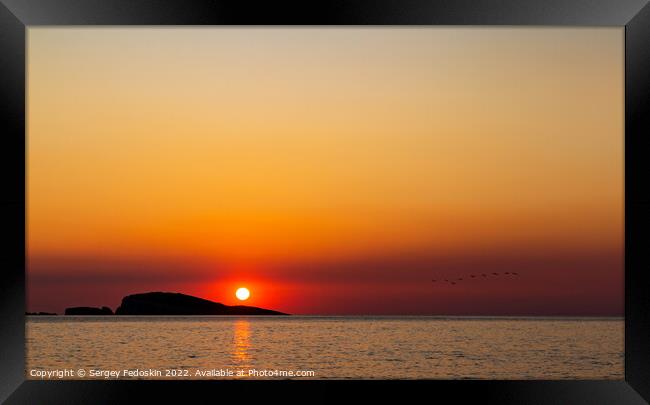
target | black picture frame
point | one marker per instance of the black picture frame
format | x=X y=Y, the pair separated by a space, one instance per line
x=17 y=15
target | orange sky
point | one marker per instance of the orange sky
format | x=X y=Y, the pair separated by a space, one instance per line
x=329 y=170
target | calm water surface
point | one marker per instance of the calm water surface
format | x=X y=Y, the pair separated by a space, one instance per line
x=331 y=347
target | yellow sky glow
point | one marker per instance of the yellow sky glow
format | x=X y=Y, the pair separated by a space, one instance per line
x=287 y=144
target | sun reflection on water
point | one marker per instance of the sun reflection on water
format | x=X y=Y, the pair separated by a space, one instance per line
x=241 y=343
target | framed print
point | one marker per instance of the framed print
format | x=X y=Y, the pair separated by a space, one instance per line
x=265 y=199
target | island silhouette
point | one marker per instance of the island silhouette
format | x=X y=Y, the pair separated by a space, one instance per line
x=169 y=303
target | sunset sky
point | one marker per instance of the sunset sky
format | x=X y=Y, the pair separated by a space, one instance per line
x=329 y=170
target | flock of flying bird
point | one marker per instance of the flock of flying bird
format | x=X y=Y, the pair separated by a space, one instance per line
x=471 y=276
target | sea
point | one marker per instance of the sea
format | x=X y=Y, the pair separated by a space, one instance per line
x=322 y=347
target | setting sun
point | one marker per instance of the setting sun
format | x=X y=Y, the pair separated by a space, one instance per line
x=242 y=293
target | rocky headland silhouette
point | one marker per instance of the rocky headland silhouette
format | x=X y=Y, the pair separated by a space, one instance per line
x=168 y=303
x=164 y=303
